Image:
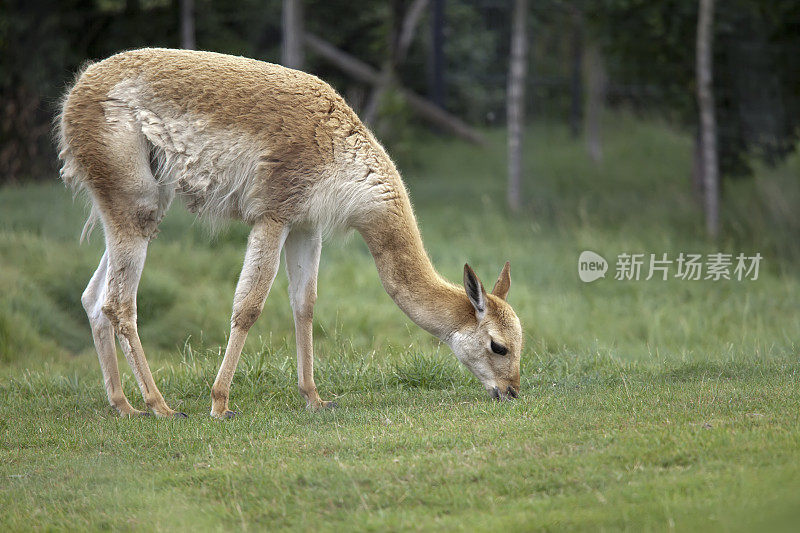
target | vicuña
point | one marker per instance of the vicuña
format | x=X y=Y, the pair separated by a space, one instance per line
x=282 y=151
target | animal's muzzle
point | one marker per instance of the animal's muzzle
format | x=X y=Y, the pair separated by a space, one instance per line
x=509 y=394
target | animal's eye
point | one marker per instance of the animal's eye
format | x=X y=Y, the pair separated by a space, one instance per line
x=499 y=349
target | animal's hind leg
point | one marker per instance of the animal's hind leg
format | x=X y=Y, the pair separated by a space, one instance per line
x=103 y=335
x=126 y=256
x=115 y=168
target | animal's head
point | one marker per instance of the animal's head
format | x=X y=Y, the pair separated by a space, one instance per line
x=490 y=342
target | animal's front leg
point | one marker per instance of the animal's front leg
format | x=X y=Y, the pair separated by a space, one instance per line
x=260 y=266
x=302 y=264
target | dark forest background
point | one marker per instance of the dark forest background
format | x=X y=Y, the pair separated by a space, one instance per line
x=458 y=59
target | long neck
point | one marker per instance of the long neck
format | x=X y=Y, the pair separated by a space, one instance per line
x=408 y=276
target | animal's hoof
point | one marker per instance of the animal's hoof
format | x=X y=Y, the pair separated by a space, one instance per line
x=321 y=406
x=227 y=414
x=133 y=413
x=178 y=414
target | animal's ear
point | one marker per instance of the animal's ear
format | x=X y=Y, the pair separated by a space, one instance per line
x=503 y=283
x=475 y=291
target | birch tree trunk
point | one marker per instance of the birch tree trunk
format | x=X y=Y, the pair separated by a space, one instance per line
x=705 y=103
x=697 y=171
x=595 y=101
x=436 y=55
x=516 y=102
x=576 y=81
x=292 y=41
x=187 y=25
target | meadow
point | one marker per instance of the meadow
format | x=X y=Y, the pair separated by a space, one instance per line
x=644 y=404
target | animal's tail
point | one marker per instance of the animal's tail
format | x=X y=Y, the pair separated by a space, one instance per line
x=71 y=173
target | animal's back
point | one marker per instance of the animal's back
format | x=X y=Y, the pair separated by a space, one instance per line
x=238 y=137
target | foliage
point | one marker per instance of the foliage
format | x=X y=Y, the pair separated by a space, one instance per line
x=652 y=45
x=649 y=47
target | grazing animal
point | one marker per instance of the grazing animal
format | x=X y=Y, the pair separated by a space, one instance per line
x=282 y=151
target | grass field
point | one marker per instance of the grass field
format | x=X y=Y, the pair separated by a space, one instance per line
x=644 y=405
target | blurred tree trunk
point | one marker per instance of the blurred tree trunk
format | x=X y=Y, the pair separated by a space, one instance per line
x=292 y=45
x=516 y=101
x=436 y=55
x=697 y=169
x=187 y=25
x=576 y=83
x=705 y=102
x=400 y=39
x=595 y=101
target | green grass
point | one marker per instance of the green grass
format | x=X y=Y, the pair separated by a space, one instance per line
x=645 y=405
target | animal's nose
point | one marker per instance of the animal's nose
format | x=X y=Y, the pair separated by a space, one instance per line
x=512 y=392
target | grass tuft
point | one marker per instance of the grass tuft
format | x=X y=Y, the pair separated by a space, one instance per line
x=418 y=370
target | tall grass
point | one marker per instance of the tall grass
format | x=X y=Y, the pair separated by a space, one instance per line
x=637 y=200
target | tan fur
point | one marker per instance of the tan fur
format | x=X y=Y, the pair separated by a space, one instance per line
x=277 y=148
